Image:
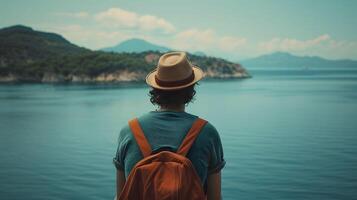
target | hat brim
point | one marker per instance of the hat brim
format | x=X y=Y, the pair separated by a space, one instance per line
x=150 y=79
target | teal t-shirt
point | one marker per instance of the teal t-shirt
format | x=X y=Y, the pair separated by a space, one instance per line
x=166 y=130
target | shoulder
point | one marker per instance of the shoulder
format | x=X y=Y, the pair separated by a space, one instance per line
x=209 y=132
x=125 y=131
x=210 y=128
x=125 y=134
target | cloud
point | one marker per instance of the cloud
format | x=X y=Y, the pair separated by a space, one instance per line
x=121 y=18
x=338 y=49
x=149 y=22
x=106 y=25
x=195 y=39
x=288 y=44
x=90 y=37
x=79 y=15
x=323 y=45
x=229 y=43
x=113 y=25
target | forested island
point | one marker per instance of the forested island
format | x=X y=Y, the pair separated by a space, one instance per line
x=27 y=55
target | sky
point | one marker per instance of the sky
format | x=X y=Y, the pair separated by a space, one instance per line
x=232 y=29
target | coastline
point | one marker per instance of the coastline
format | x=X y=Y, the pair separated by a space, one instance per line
x=119 y=76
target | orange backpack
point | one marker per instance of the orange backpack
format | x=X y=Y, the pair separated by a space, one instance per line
x=164 y=175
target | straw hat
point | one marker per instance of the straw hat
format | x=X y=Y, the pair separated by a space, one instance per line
x=174 y=71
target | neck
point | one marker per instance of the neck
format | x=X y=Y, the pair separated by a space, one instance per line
x=176 y=108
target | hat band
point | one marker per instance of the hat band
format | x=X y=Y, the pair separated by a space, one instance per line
x=175 y=83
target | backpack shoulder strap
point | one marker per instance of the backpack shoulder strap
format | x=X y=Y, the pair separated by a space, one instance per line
x=191 y=136
x=140 y=138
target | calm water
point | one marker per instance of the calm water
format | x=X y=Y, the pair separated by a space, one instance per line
x=286 y=134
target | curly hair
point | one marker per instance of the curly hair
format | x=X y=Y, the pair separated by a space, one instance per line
x=172 y=97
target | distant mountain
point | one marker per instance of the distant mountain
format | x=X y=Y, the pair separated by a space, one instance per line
x=199 y=53
x=27 y=55
x=135 y=46
x=287 y=60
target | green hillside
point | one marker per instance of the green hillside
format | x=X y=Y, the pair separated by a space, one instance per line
x=29 y=55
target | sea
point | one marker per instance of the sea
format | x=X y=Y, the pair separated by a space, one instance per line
x=287 y=134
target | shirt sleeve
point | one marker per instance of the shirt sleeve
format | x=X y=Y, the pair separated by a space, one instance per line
x=119 y=157
x=216 y=159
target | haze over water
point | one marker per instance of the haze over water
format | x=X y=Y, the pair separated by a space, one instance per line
x=287 y=134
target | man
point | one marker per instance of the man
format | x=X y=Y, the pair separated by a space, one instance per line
x=173 y=83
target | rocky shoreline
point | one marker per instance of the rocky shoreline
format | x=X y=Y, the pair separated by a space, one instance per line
x=114 y=77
